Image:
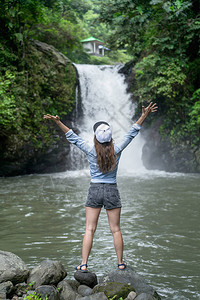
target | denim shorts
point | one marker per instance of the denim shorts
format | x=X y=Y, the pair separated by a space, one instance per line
x=103 y=194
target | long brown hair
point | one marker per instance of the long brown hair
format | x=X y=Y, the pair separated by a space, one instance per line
x=105 y=155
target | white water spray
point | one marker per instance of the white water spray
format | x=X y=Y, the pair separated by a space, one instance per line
x=104 y=98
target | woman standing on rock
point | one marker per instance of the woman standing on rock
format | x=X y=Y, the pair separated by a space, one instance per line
x=103 y=160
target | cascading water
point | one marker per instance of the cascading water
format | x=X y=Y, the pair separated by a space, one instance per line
x=104 y=98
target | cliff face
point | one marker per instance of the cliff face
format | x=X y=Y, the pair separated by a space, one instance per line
x=46 y=85
x=159 y=152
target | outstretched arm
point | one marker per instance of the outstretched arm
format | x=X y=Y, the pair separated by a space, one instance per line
x=135 y=129
x=70 y=135
x=56 y=119
x=146 y=111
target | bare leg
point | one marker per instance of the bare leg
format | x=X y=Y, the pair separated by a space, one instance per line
x=92 y=216
x=114 y=222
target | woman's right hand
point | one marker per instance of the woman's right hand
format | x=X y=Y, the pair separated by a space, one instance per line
x=56 y=119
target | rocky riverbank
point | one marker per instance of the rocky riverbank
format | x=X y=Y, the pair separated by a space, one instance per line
x=49 y=281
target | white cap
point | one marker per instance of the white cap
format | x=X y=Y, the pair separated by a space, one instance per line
x=103 y=133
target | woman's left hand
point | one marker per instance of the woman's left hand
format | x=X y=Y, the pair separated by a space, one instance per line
x=149 y=109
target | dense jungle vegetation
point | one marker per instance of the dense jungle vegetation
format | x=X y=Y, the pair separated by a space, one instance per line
x=163 y=37
x=159 y=39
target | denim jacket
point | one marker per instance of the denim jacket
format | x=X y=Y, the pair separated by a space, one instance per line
x=96 y=175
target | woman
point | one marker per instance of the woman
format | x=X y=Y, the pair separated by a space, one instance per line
x=103 y=160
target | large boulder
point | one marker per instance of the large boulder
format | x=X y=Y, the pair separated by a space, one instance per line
x=12 y=268
x=131 y=296
x=129 y=276
x=50 y=51
x=21 y=289
x=74 y=284
x=113 y=289
x=86 y=278
x=5 y=289
x=47 y=272
x=159 y=153
x=145 y=296
x=47 y=292
x=66 y=291
x=84 y=290
x=98 y=296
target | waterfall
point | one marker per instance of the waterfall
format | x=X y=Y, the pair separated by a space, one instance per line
x=104 y=97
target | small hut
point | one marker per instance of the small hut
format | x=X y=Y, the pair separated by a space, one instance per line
x=94 y=46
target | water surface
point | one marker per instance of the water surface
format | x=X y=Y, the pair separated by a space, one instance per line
x=42 y=216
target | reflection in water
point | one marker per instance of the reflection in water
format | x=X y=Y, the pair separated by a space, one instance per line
x=42 y=216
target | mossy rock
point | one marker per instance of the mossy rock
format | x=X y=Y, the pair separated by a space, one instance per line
x=112 y=289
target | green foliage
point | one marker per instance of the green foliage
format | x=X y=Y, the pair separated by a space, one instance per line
x=92 y=24
x=59 y=32
x=114 y=297
x=111 y=58
x=163 y=38
x=33 y=83
x=98 y=60
x=195 y=112
x=119 y=56
x=34 y=296
x=31 y=284
x=7 y=101
x=53 y=22
x=159 y=77
x=7 y=57
x=41 y=86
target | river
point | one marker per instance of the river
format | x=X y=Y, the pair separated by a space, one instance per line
x=42 y=216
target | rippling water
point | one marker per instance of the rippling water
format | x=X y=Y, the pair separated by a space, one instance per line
x=42 y=216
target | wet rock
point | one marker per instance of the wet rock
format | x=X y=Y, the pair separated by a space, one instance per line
x=130 y=276
x=48 y=272
x=20 y=289
x=159 y=153
x=66 y=292
x=97 y=296
x=15 y=297
x=111 y=289
x=131 y=296
x=145 y=296
x=74 y=284
x=50 y=50
x=2 y=295
x=84 y=290
x=12 y=268
x=5 y=288
x=86 y=278
x=47 y=292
